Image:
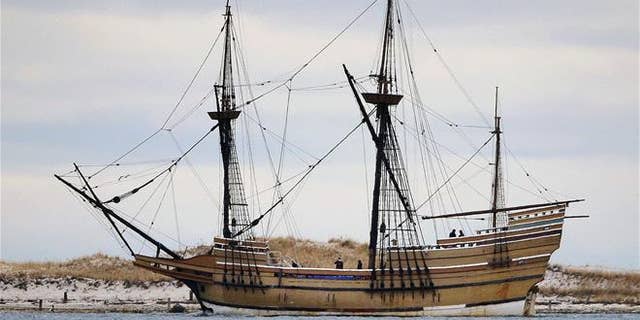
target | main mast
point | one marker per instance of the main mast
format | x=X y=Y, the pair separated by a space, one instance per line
x=382 y=113
x=235 y=215
x=393 y=229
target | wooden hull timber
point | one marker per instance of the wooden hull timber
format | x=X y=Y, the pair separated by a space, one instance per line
x=464 y=281
x=326 y=291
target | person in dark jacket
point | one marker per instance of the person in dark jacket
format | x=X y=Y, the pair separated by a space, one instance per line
x=460 y=234
x=452 y=234
x=339 y=264
x=359 y=264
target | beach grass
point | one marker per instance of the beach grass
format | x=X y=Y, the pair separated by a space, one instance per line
x=98 y=266
x=594 y=285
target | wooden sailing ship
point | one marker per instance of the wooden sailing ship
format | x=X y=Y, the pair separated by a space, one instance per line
x=491 y=272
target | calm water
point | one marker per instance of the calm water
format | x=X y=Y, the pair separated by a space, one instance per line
x=129 y=316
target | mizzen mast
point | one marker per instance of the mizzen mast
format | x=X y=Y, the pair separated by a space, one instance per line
x=235 y=211
x=498 y=219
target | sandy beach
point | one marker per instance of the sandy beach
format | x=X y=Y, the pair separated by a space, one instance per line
x=93 y=295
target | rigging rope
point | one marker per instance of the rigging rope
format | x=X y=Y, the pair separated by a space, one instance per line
x=175 y=205
x=536 y=184
x=455 y=173
x=415 y=134
x=208 y=192
x=311 y=168
x=162 y=127
x=195 y=76
x=155 y=215
x=447 y=68
x=117 y=199
x=316 y=55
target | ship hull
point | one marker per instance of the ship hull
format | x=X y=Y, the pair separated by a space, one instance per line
x=465 y=277
x=471 y=290
x=363 y=302
x=482 y=290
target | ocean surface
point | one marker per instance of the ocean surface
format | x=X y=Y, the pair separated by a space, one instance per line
x=195 y=316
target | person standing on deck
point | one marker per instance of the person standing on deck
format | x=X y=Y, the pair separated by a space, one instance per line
x=452 y=234
x=359 y=264
x=339 y=264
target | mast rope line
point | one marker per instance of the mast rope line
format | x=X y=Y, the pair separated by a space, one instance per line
x=93 y=214
x=189 y=113
x=130 y=177
x=281 y=156
x=455 y=173
x=328 y=86
x=419 y=105
x=446 y=66
x=195 y=173
x=292 y=147
x=147 y=201
x=157 y=211
x=241 y=64
x=184 y=94
x=119 y=164
x=479 y=166
x=201 y=66
x=145 y=224
x=414 y=134
x=315 y=56
x=117 y=199
x=537 y=184
x=306 y=174
x=195 y=76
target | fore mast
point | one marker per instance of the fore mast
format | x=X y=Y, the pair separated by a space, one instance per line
x=235 y=213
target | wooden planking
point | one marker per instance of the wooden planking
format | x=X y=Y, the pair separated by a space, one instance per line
x=248 y=243
x=467 y=285
x=480 y=254
x=447 y=276
x=538 y=210
x=473 y=238
x=435 y=258
x=241 y=256
x=538 y=218
x=459 y=275
x=366 y=301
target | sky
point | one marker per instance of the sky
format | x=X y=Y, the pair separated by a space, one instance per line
x=83 y=81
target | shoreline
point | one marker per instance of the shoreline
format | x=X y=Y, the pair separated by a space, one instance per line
x=194 y=308
x=86 y=295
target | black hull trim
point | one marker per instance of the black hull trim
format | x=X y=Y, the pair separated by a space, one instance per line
x=469 y=305
x=284 y=308
x=408 y=289
x=365 y=311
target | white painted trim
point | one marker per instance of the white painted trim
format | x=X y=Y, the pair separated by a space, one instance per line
x=513 y=308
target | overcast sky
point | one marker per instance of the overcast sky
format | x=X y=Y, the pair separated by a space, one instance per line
x=82 y=81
